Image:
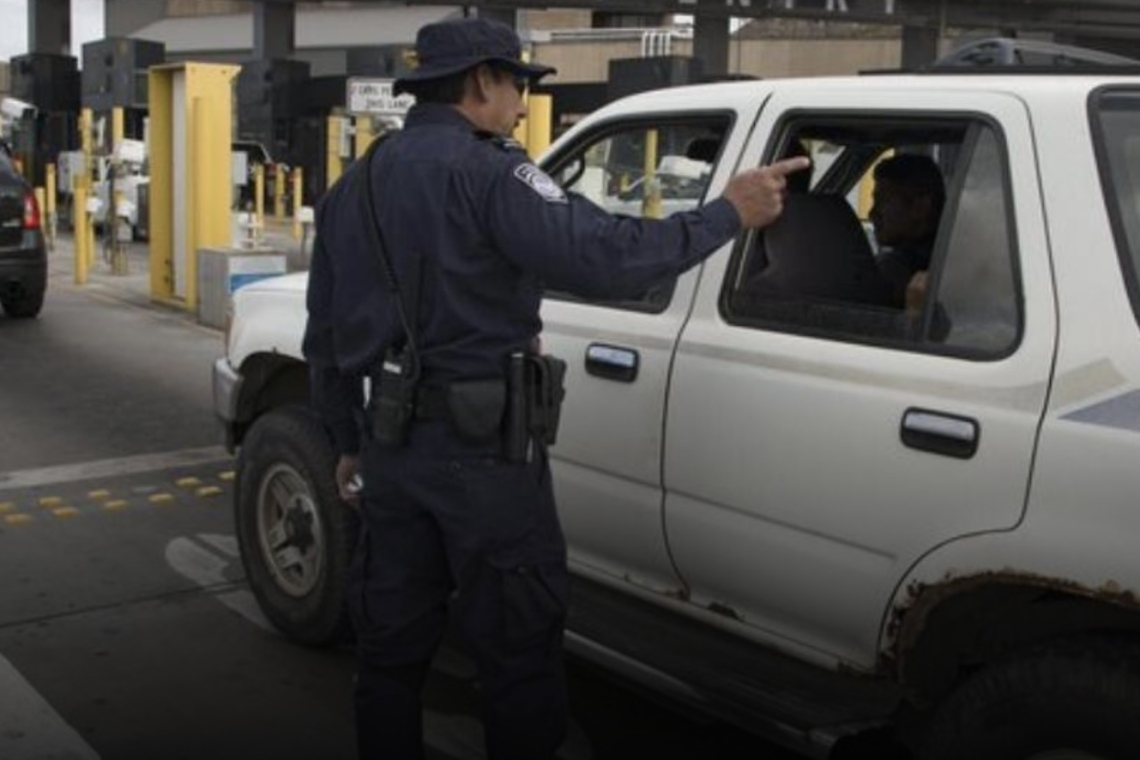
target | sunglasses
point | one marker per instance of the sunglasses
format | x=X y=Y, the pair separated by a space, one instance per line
x=519 y=81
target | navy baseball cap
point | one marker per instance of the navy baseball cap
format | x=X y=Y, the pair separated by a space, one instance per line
x=449 y=47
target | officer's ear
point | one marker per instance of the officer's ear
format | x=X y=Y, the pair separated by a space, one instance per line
x=483 y=79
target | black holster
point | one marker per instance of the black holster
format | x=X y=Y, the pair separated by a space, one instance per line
x=535 y=389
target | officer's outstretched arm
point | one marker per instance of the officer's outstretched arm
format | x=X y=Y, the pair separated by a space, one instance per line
x=574 y=245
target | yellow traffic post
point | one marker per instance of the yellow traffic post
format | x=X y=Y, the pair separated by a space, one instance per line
x=333 y=165
x=298 y=176
x=190 y=134
x=118 y=127
x=87 y=138
x=49 y=206
x=363 y=136
x=41 y=202
x=866 y=189
x=79 y=225
x=259 y=196
x=650 y=187
x=539 y=113
x=278 y=192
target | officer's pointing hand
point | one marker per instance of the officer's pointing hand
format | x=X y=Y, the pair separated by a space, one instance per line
x=758 y=194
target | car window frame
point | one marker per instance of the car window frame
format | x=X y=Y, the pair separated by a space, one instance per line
x=553 y=164
x=781 y=136
x=1128 y=260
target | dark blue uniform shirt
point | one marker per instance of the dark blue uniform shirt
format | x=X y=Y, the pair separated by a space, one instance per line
x=474 y=232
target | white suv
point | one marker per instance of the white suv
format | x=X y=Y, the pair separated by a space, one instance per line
x=806 y=513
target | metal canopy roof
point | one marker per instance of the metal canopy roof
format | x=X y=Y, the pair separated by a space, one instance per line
x=1095 y=18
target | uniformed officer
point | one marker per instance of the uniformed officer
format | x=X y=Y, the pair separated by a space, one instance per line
x=432 y=253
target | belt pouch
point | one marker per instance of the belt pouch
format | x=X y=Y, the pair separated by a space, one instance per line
x=547 y=389
x=475 y=407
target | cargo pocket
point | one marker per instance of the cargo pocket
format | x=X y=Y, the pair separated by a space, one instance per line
x=534 y=599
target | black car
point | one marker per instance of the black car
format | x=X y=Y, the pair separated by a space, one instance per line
x=23 y=256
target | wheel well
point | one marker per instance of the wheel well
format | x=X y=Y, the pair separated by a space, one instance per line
x=951 y=629
x=269 y=381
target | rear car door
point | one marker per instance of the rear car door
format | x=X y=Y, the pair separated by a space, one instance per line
x=817 y=448
x=607 y=462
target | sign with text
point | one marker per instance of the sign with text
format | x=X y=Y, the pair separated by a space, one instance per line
x=374 y=97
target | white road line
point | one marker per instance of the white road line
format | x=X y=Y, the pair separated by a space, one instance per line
x=196 y=563
x=458 y=736
x=105 y=468
x=29 y=728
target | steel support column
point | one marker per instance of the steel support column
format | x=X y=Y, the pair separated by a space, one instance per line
x=49 y=27
x=274 y=30
x=710 y=43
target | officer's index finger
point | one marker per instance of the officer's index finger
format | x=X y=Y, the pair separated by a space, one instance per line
x=789 y=166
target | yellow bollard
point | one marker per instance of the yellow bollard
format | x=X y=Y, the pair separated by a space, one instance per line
x=364 y=135
x=87 y=134
x=297 y=182
x=333 y=164
x=118 y=127
x=41 y=203
x=49 y=209
x=79 y=225
x=259 y=195
x=279 y=192
x=539 y=113
x=650 y=186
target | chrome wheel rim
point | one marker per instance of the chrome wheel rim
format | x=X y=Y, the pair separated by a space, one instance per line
x=289 y=530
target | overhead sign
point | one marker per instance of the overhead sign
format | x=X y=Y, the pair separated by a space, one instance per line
x=374 y=97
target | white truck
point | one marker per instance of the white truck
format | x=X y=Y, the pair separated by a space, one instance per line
x=786 y=509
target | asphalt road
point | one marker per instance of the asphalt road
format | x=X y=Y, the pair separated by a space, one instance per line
x=126 y=629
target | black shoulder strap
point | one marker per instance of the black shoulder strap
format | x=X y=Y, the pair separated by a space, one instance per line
x=377 y=234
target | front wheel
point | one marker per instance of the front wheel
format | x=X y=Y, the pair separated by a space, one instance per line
x=296 y=535
x=1077 y=699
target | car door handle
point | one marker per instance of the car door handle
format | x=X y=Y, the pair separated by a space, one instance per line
x=612 y=362
x=940 y=433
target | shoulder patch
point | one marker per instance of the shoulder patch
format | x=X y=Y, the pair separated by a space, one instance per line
x=538 y=181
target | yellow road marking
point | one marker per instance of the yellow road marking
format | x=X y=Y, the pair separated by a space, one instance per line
x=17 y=519
x=65 y=512
x=99 y=495
x=115 y=505
x=209 y=491
x=187 y=482
x=49 y=502
x=160 y=498
x=227 y=475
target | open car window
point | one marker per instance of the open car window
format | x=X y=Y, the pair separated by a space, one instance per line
x=901 y=235
x=645 y=170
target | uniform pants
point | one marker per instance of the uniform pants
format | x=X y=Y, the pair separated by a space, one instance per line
x=445 y=518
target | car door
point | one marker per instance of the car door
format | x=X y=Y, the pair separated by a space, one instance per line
x=816 y=449
x=607 y=461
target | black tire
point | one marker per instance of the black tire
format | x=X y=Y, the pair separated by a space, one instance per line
x=286 y=481
x=1076 y=699
x=25 y=305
